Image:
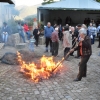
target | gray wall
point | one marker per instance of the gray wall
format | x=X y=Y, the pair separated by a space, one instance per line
x=5 y=12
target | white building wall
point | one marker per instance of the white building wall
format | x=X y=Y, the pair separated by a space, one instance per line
x=5 y=12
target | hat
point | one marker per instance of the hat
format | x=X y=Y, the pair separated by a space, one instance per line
x=56 y=29
x=79 y=25
x=83 y=31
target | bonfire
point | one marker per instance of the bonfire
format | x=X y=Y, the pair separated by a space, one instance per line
x=45 y=69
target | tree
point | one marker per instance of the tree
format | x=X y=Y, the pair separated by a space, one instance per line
x=47 y=1
x=98 y=0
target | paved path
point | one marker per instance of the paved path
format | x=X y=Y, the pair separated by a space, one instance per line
x=14 y=86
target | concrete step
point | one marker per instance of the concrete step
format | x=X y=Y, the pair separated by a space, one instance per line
x=21 y=45
x=1 y=45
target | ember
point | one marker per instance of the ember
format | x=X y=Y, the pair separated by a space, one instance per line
x=46 y=69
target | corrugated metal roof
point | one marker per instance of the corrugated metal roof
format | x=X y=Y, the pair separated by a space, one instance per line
x=73 y=4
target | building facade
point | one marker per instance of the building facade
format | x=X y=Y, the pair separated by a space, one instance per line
x=5 y=12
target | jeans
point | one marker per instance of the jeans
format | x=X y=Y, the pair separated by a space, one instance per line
x=4 y=38
x=93 y=40
x=31 y=46
x=28 y=34
x=22 y=36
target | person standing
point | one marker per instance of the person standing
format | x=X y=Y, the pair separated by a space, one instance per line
x=48 y=32
x=98 y=35
x=26 y=29
x=55 y=42
x=91 y=32
x=94 y=33
x=5 y=32
x=60 y=32
x=21 y=31
x=85 y=53
x=36 y=34
x=78 y=27
x=67 y=41
x=73 y=39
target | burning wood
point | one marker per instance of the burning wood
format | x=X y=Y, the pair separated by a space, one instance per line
x=44 y=70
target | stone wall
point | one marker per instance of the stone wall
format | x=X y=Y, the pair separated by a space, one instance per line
x=15 y=39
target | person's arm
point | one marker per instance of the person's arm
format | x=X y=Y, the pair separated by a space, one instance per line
x=52 y=29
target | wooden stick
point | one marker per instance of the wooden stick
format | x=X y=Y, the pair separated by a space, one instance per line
x=63 y=59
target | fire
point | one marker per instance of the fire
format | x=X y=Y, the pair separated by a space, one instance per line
x=46 y=69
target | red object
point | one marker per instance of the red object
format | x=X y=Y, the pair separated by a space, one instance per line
x=26 y=28
x=34 y=19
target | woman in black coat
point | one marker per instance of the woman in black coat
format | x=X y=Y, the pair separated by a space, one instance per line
x=36 y=35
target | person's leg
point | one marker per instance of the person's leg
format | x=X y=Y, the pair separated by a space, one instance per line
x=28 y=33
x=47 y=43
x=32 y=47
x=56 y=48
x=83 y=67
x=23 y=37
x=93 y=39
x=99 y=42
x=50 y=44
x=6 y=37
x=3 y=38
x=64 y=53
x=53 y=48
x=37 y=40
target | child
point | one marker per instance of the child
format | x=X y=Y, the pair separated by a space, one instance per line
x=31 y=43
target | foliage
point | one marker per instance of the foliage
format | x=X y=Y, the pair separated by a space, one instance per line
x=29 y=21
x=47 y=2
x=98 y=0
x=41 y=27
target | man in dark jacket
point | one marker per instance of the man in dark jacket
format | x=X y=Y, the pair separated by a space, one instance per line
x=36 y=34
x=77 y=37
x=85 y=53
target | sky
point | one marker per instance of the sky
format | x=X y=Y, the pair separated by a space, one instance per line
x=27 y=2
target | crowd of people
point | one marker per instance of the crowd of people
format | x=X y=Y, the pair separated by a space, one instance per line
x=79 y=38
x=73 y=38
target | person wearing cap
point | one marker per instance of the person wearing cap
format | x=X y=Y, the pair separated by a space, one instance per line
x=85 y=53
x=55 y=42
x=5 y=32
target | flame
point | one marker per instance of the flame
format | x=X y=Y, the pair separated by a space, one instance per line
x=45 y=70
